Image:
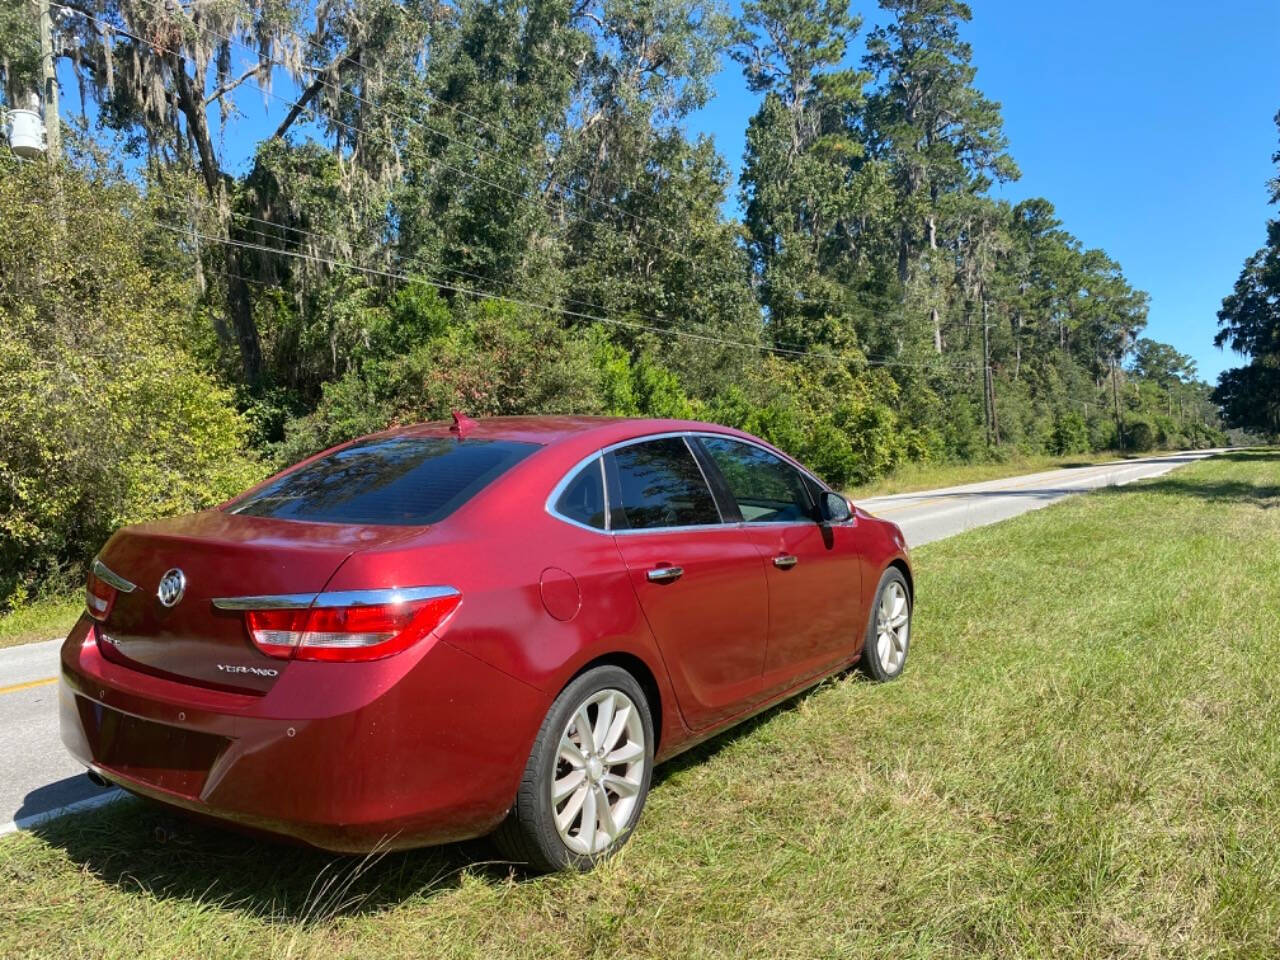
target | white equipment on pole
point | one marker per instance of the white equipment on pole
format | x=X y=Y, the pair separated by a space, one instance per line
x=26 y=134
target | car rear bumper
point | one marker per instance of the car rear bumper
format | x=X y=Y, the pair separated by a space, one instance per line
x=424 y=747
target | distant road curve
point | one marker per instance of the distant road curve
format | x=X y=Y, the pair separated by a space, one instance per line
x=929 y=515
x=38 y=778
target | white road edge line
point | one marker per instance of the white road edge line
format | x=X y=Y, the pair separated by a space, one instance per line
x=44 y=816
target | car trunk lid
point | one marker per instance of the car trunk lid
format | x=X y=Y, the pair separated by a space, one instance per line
x=220 y=555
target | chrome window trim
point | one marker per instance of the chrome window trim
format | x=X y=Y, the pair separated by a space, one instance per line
x=684 y=435
x=569 y=477
x=335 y=598
x=107 y=575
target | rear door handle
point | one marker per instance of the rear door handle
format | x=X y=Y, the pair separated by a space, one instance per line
x=665 y=574
x=786 y=561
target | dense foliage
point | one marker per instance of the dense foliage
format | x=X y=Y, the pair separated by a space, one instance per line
x=1250 y=323
x=106 y=416
x=494 y=205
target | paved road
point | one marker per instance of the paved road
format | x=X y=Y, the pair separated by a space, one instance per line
x=934 y=514
x=36 y=774
x=38 y=777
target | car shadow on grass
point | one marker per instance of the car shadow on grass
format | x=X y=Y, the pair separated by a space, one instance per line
x=143 y=848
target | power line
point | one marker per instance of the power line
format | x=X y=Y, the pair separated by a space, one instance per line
x=877 y=301
x=516 y=301
x=784 y=347
x=519 y=301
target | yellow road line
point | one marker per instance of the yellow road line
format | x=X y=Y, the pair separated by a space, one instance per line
x=28 y=685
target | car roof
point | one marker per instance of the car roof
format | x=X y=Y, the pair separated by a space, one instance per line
x=548 y=430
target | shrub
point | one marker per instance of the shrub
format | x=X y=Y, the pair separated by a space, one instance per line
x=105 y=418
x=1070 y=434
x=1139 y=436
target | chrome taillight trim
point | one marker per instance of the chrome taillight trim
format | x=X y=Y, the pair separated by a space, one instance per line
x=274 y=601
x=107 y=575
x=335 y=598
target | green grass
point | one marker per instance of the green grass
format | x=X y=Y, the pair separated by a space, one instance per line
x=41 y=620
x=913 y=476
x=1082 y=760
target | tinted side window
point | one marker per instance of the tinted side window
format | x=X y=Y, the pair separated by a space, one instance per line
x=768 y=489
x=659 y=484
x=389 y=480
x=583 y=497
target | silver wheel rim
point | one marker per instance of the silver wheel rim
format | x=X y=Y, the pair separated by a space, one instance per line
x=893 y=627
x=600 y=769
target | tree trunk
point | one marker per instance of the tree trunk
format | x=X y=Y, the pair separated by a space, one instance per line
x=931 y=227
x=238 y=299
x=989 y=382
x=1115 y=396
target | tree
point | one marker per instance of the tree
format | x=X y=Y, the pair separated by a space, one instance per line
x=158 y=70
x=804 y=189
x=1250 y=324
x=939 y=135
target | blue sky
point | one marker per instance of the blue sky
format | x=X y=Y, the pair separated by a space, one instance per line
x=1148 y=126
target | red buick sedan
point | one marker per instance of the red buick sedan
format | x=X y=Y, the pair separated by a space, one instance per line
x=437 y=632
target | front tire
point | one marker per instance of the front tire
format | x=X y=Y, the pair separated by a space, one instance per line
x=884 y=652
x=587 y=777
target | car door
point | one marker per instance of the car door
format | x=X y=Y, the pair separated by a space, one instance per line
x=812 y=569
x=700 y=582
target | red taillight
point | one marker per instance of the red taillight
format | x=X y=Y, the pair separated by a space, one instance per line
x=99 y=597
x=367 y=632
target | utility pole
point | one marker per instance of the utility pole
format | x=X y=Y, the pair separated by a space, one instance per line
x=988 y=382
x=49 y=83
x=986 y=385
x=1115 y=396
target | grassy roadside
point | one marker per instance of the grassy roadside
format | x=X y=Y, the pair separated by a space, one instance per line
x=1083 y=759
x=40 y=620
x=910 y=477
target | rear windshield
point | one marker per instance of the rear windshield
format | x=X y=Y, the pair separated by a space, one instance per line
x=406 y=481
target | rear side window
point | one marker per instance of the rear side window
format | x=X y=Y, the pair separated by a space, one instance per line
x=405 y=480
x=766 y=487
x=658 y=484
x=583 y=498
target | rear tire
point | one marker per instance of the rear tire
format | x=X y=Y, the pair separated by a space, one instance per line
x=884 y=651
x=583 y=790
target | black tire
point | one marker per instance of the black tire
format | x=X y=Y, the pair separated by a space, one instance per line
x=871 y=662
x=529 y=834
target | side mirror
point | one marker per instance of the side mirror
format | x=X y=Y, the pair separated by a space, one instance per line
x=835 y=508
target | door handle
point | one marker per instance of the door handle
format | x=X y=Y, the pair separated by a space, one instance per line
x=786 y=561
x=665 y=574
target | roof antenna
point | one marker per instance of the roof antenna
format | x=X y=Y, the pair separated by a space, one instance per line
x=462 y=424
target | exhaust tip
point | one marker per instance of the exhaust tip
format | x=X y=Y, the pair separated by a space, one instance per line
x=97 y=779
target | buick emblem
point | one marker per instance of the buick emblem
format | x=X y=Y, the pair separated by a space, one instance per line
x=172 y=586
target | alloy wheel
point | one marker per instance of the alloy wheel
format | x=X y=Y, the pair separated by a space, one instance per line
x=893 y=627
x=600 y=769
